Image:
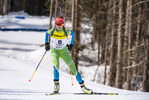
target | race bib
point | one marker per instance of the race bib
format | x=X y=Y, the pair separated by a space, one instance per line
x=59 y=43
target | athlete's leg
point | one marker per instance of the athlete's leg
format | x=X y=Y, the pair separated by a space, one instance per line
x=56 y=73
x=68 y=60
x=55 y=60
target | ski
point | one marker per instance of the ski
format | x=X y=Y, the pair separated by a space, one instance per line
x=95 y=93
x=48 y=94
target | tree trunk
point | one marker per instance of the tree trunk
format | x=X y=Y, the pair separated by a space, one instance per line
x=106 y=53
x=119 y=67
x=19 y=8
x=99 y=49
x=129 y=76
x=36 y=8
x=137 y=40
x=66 y=6
x=112 y=72
x=102 y=48
x=146 y=69
x=1 y=7
x=136 y=68
x=77 y=31
x=56 y=3
x=73 y=15
x=23 y=4
x=98 y=63
x=50 y=24
x=5 y=7
x=51 y=6
x=107 y=39
x=27 y=6
x=8 y=6
x=73 y=25
x=125 y=54
x=146 y=66
x=94 y=30
x=95 y=25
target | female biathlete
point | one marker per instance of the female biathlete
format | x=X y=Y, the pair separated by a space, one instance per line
x=60 y=48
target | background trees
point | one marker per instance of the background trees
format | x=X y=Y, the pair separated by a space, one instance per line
x=120 y=33
x=33 y=7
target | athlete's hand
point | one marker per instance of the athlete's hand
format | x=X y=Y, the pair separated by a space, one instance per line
x=47 y=46
x=69 y=47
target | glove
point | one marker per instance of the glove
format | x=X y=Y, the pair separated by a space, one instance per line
x=69 y=47
x=47 y=46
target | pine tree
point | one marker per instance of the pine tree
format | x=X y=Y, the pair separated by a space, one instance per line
x=5 y=7
x=56 y=4
x=146 y=65
x=129 y=76
x=107 y=38
x=77 y=32
x=119 y=67
x=112 y=72
x=1 y=7
x=51 y=7
x=73 y=24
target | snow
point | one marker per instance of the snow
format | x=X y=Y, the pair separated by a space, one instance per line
x=20 y=52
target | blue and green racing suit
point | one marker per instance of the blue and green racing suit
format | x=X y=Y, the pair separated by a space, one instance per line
x=59 y=41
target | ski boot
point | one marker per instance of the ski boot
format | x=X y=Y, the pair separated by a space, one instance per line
x=56 y=87
x=85 y=89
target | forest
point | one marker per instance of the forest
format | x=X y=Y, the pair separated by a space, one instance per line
x=120 y=34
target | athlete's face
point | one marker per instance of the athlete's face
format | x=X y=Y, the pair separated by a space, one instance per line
x=59 y=26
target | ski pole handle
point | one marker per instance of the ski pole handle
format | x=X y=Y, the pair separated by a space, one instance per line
x=37 y=66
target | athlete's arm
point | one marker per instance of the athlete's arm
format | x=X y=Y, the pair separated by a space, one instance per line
x=73 y=35
x=47 y=37
x=48 y=33
x=47 y=46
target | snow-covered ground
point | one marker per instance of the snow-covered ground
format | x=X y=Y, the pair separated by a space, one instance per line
x=20 y=52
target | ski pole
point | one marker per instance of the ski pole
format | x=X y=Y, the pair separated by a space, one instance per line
x=37 y=66
x=71 y=78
